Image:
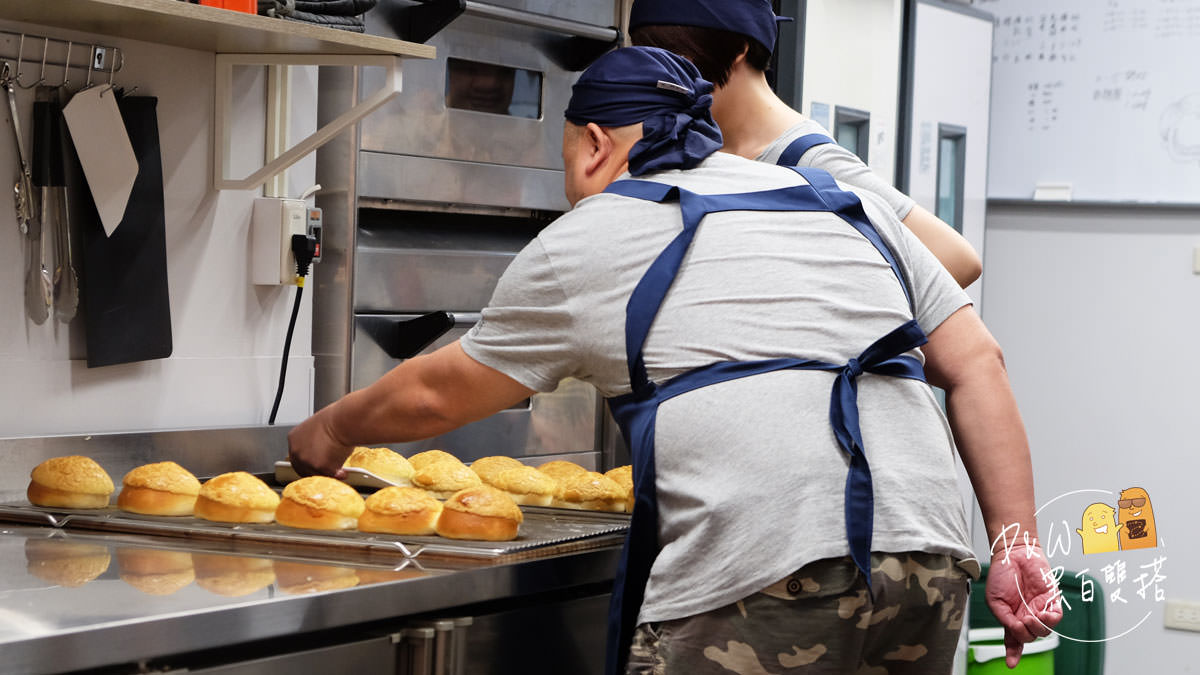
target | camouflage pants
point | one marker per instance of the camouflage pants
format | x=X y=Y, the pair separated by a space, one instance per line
x=821 y=619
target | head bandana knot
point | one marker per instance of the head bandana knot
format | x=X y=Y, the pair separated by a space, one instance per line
x=677 y=140
x=662 y=91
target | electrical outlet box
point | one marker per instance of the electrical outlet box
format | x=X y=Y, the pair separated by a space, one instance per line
x=272 y=225
x=1182 y=615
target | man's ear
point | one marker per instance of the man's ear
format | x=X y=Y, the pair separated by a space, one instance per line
x=598 y=145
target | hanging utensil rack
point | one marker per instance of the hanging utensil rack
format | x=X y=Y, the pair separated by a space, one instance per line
x=37 y=59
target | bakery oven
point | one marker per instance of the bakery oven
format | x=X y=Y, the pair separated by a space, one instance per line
x=432 y=195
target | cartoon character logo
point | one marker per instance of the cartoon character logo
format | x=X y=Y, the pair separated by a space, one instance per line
x=1099 y=529
x=1137 y=519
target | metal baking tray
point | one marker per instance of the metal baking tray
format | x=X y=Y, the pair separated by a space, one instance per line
x=542 y=529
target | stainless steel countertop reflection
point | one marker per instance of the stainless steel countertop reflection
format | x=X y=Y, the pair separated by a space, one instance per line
x=73 y=600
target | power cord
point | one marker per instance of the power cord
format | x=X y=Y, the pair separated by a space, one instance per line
x=304 y=247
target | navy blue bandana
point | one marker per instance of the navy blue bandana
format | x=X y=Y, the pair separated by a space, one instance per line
x=664 y=92
x=753 y=18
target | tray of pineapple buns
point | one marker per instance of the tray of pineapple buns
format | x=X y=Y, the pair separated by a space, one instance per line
x=427 y=504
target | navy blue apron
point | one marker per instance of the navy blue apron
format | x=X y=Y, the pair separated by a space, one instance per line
x=636 y=412
x=795 y=150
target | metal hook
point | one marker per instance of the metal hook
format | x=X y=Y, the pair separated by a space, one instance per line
x=20 y=51
x=112 y=66
x=91 y=67
x=45 y=48
x=67 y=66
x=20 y=57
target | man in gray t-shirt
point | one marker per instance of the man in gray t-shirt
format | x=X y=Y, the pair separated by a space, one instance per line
x=750 y=477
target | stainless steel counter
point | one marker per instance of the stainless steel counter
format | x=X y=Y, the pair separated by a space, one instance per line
x=75 y=600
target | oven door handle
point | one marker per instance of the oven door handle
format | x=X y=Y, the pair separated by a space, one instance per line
x=421 y=22
x=405 y=338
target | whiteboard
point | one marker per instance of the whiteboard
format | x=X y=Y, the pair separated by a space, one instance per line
x=1102 y=96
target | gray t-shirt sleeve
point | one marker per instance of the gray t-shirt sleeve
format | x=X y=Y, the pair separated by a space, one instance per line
x=527 y=330
x=850 y=169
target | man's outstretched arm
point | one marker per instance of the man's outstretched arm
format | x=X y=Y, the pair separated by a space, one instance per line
x=422 y=397
x=963 y=358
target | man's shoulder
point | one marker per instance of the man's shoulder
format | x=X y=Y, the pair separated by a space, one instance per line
x=775 y=149
x=724 y=173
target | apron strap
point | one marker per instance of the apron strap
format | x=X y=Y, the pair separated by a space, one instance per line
x=636 y=413
x=821 y=194
x=849 y=208
x=637 y=417
x=795 y=150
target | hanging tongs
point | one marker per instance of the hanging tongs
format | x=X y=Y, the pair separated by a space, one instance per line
x=58 y=277
x=37 y=290
x=23 y=189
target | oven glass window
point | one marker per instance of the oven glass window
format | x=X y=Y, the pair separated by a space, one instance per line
x=489 y=88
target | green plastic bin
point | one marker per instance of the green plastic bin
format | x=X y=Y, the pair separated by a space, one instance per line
x=985 y=655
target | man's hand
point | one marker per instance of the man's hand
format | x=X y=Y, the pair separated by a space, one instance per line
x=313 y=448
x=1023 y=595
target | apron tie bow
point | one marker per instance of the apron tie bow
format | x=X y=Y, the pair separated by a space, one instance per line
x=853 y=369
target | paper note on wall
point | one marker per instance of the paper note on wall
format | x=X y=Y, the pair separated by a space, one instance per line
x=819 y=112
x=107 y=157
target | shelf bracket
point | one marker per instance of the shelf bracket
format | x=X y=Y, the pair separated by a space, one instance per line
x=222 y=118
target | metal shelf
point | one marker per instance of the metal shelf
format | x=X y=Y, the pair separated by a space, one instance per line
x=220 y=31
x=237 y=39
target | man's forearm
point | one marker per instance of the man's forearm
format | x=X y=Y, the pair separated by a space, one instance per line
x=992 y=443
x=424 y=396
x=397 y=408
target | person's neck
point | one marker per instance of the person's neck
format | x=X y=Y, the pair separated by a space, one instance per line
x=750 y=115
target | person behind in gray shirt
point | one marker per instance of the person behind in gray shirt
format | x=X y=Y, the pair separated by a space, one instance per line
x=731 y=41
x=763 y=335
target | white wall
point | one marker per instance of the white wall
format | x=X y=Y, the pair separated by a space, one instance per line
x=1098 y=312
x=852 y=58
x=228 y=334
x=952 y=85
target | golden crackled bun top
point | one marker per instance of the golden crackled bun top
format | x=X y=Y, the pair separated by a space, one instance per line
x=445 y=476
x=525 y=480
x=239 y=488
x=489 y=467
x=394 y=501
x=561 y=469
x=327 y=494
x=383 y=462
x=623 y=476
x=164 y=476
x=484 y=500
x=588 y=486
x=74 y=473
x=424 y=459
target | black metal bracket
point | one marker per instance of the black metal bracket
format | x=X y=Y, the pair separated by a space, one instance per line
x=405 y=338
x=419 y=23
x=577 y=53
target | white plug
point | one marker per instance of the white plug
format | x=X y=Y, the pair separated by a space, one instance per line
x=274 y=222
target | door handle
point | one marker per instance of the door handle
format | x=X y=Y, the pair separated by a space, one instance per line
x=405 y=338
